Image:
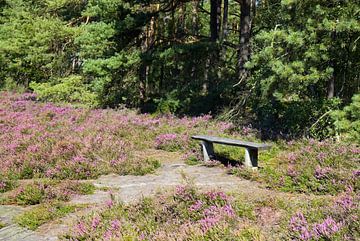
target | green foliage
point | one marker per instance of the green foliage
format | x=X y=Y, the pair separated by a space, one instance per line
x=347 y=121
x=138 y=167
x=146 y=54
x=39 y=215
x=83 y=188
x=192 y=161
x=47 y=191
x=34 y=46
x=296 y=55
x=168 y=105
x=70 y=89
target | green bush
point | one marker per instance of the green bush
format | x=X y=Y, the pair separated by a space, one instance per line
x=169 y=104
x=347 y=121
x=71 y=89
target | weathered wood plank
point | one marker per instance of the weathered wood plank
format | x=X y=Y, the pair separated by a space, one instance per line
x=232 y=142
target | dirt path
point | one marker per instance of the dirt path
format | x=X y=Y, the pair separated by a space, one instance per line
x=132 y=188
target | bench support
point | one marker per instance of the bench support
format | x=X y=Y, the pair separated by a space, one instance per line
x=208 y=150
x=251 y=158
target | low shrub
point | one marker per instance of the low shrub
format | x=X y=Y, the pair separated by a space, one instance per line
x=169 y=142
x=7 y=185
x=337 y=221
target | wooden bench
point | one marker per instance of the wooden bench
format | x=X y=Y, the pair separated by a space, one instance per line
x=251 y=148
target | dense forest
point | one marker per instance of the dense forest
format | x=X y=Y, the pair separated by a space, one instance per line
x=288 y=67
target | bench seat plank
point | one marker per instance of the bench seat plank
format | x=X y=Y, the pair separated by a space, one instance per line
x=232 y=142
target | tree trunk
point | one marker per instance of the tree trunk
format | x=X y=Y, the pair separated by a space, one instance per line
x=195 y=18
x=225 y=20
x=331 y=81
x=143 y=72
x=331 y=88
x=215 y=21
x=181 y=26
x=244 y=38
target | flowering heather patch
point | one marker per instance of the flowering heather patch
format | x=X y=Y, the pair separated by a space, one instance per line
x=168 y=142
x=326 y=229
x=336 y=220
x=40 y=140
x=43 y=140
x=310 y=166
x=184 y=214
x=188 y=214
x=300 y=227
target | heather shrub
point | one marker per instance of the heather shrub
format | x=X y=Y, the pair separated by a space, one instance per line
x=7 y=185
x=31 y=194
x=189 y=214
x=80 y=188
x=322 y=167
x=169 y=142
x=41 y=140
x=186 y=214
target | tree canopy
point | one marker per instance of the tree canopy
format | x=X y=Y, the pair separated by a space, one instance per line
x=282 y=65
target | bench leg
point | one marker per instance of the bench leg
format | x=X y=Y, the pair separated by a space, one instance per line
x=208 y=150
x=251 y=158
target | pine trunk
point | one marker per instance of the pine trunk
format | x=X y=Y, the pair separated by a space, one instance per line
x=244 y=38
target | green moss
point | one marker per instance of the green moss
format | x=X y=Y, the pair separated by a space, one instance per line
x=45 y=190
x=2 y=225
x=139 y=167
x=43 y=213
x=192 y=161
x=84 y=188
x=250 y=234
x=244 y=209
